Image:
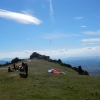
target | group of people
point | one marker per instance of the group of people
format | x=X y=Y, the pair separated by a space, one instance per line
x=22 y=68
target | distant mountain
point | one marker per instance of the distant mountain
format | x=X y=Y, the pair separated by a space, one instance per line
x=6 y=59
x=2 y=62
x=91 y=64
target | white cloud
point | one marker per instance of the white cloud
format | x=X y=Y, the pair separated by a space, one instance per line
x=92 y=32
x=51 y=11
x=83 y=26
x=24 y=18
x=78 y=18
x=59 y=35
x=51 y=36
x=51 y=8
x=28 y=51
x=16 y=52
x=92 y=40
x=58 y=54
x=29 y=39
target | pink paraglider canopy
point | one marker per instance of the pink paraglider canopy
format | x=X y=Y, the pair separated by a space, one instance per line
x=55 y=71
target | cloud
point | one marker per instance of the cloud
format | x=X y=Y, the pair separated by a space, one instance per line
x=59 y=35
x=51 y=8
x=78 y=18
x=16 y=52
x=24 y=18
x=92 y=40
x=28 y=51
x=29 y=39
x=52 y=36
x=63 y=53
x=51 y=11
x=60 y=53
x=92 y=32
x=83 y=26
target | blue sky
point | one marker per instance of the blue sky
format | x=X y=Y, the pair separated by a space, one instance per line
x=56 y=28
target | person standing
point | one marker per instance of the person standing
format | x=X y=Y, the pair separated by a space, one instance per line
x=26 y=69
x=14 y=67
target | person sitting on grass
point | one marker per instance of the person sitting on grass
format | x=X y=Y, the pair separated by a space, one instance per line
x=9 y=69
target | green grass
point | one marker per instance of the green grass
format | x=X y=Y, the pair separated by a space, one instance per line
x=41 y=85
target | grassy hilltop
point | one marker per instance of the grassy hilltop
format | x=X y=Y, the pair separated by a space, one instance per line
x=41 y=85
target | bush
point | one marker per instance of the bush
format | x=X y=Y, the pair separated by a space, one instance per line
x=15 y=60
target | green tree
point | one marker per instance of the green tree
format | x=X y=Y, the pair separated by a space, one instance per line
x=15 y=60
x=59 y=61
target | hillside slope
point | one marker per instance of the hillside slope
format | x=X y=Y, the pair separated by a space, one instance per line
x=41 y=85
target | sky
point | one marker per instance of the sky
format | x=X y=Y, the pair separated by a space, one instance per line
x=55 y=28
